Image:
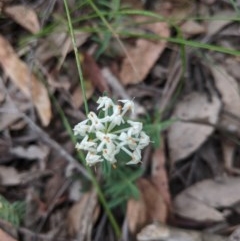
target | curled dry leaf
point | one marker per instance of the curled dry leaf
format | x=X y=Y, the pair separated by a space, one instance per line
x=185 y=137
x=143 y=55
x=24 y=16
x=199 y=201
x=22 y=77
x=150 y=207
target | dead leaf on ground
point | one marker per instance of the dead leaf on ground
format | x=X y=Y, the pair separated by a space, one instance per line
x=58 y=43
x=232 y=66
x=186 y=137
x=93 y=73
x=213 y=27
x=199 y=202
x=24 y=16
x=158 y=231
x=177 y=11
x=8 y=114
x=77 y=96
x=22 y=77
x=153 y=232
x=82 y=215
x=143 y=55
x=150 y=206
x=228 y=87
x=230 y=95
x=9 y=176
x=6 y=237
x=191 y=28
x=159 y=175
x=31 y=152
x=228 y=149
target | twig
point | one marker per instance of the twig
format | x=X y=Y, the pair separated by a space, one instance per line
x=46 y=138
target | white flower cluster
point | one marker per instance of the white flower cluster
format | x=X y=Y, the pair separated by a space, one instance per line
x=103 y=138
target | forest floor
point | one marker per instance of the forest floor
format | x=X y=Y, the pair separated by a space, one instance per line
x=178 y=61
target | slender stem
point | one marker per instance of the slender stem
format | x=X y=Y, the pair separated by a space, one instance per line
x=102 y=199
x=94 y=180
x=76 y=55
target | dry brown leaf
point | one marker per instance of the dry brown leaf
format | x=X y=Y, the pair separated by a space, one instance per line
x=184 y=137
x=22 y=77
x=6 y=237
x=93 y=73
x=229 y=90
x=158 y=231
x=191 y=28
x=228 y=149
x=31 y=152
x=77 y=96
x=143 y=55
x=159 y=175
x=58 y=43
x=150 y=207
x=153 y=232
x=200 y=200
x=235 y=236
x=8 y=115
x=214 y=27
x=24 y=16
x=83 y=214
x=174 y=9
x=9 y=176
x=232 y=66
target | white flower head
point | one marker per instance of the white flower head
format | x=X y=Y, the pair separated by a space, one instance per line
x=104 y=138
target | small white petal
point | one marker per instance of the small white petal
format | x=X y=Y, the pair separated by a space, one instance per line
x=136 y=127
x=104 y=103
x=86 y=145
x=92 y=158
x=96 y=122
x=81 y=128
x=128 y=106
x=136 y=157
x=144 y=140
x=110 y=152
x=116 y=118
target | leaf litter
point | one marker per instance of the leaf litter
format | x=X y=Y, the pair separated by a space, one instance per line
x=189 y=181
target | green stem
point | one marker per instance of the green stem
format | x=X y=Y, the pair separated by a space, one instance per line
x=102 y=199
x=76 y=56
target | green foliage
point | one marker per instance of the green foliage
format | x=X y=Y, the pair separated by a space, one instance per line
x=11 y=212
x=120 y=184
x=154 y=126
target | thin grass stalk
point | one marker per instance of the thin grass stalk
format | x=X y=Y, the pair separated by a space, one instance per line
x=76 y=55
x=93 y=179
